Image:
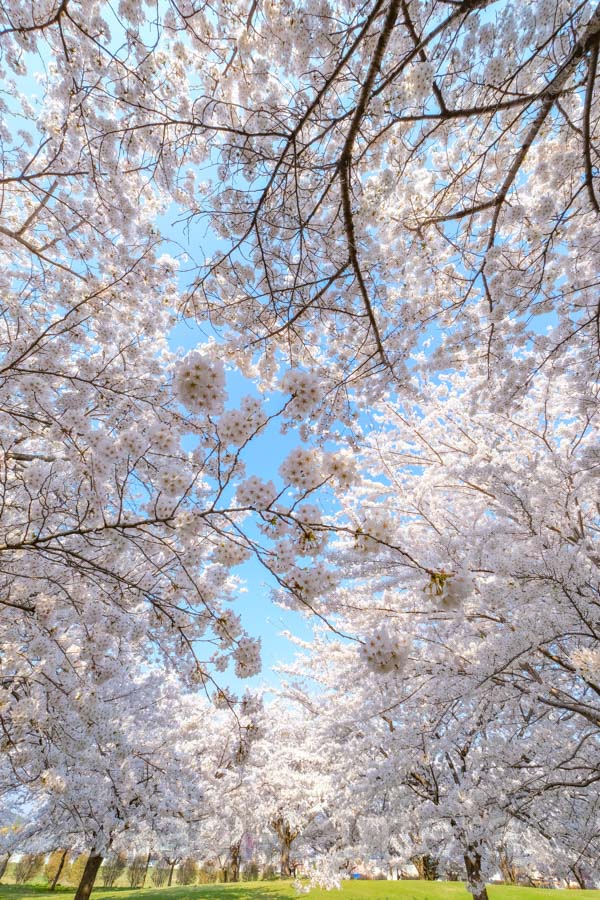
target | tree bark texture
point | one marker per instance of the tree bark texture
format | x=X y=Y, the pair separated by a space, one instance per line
x=3 y=864
x=89 y=876
x=234 y=861
x=426 y=866
x=473 y=867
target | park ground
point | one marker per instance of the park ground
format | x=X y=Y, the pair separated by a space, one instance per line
x=283 y=890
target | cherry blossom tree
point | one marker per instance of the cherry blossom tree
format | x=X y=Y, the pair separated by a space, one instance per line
x=399 y=169
x=405 y=201
x=375 y=174
x=124 y=499
x=474 y=535
x=132 y=784
x=293 y=782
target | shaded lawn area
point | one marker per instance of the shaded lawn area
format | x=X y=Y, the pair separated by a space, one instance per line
x=283 y=890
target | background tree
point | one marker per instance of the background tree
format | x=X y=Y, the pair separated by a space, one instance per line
x=136 y=868
x=160 y=873
x=54 y=867
x=480 y=536
x=187 y=872
x=112 y=868
x=28 y=866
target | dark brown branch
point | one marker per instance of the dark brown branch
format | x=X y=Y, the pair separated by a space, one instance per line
x=345 y=167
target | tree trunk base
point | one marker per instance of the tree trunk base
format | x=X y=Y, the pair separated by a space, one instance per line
x=89 y=876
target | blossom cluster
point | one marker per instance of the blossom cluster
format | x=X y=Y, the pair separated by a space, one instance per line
x=236 y=426
x=255 y=493
x=247 y=657
x=303 y=468
x=456 y=589
x=383 y=653
x=306 y=390
x=199 y=383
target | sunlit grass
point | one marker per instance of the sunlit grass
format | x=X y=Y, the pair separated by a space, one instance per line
x=283 y=890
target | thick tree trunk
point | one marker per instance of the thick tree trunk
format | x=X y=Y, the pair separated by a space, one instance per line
x=148 y=858
x=234 y=861
x=3 y=864
x=473 y=867
x=509 y=875
x=287 y=838
x=89 y=876
x=171 y=870
x=427 y=866
x=59 y=870
x=286 y=844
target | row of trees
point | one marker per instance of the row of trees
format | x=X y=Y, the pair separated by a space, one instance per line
x=404 y=195
x=59 y=868
x=446 y=784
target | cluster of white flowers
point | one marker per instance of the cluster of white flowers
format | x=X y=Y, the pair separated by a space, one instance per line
x=247 y=657
x=53 y=780
x=236 y=426
x=162 y=439
x=104 y=451
x=384 y=653
x=376 y=531
x=133 y=443
x=545 y=208
x=223 y=698
x=302 y=468
x=37 y=473
x=256 y=493
x=545 y=13
x=311 y=582
x=419 y=80
x=230 y=553
x=325 y=873
x=495 y=70
x=228 y=627
x=198 y=677
x=306 y=391
x=309 y=513
x=311 y=539
x=587 y=661
x=341 y=466
x=284 y=556
x=456 y=589
x=200 y=383
x=173 y=482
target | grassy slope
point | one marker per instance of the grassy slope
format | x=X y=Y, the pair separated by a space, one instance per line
x=352 y=890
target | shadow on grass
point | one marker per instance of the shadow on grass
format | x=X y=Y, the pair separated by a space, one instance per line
x=268 y=891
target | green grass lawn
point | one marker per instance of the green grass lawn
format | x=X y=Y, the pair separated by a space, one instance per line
x=283 y=890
